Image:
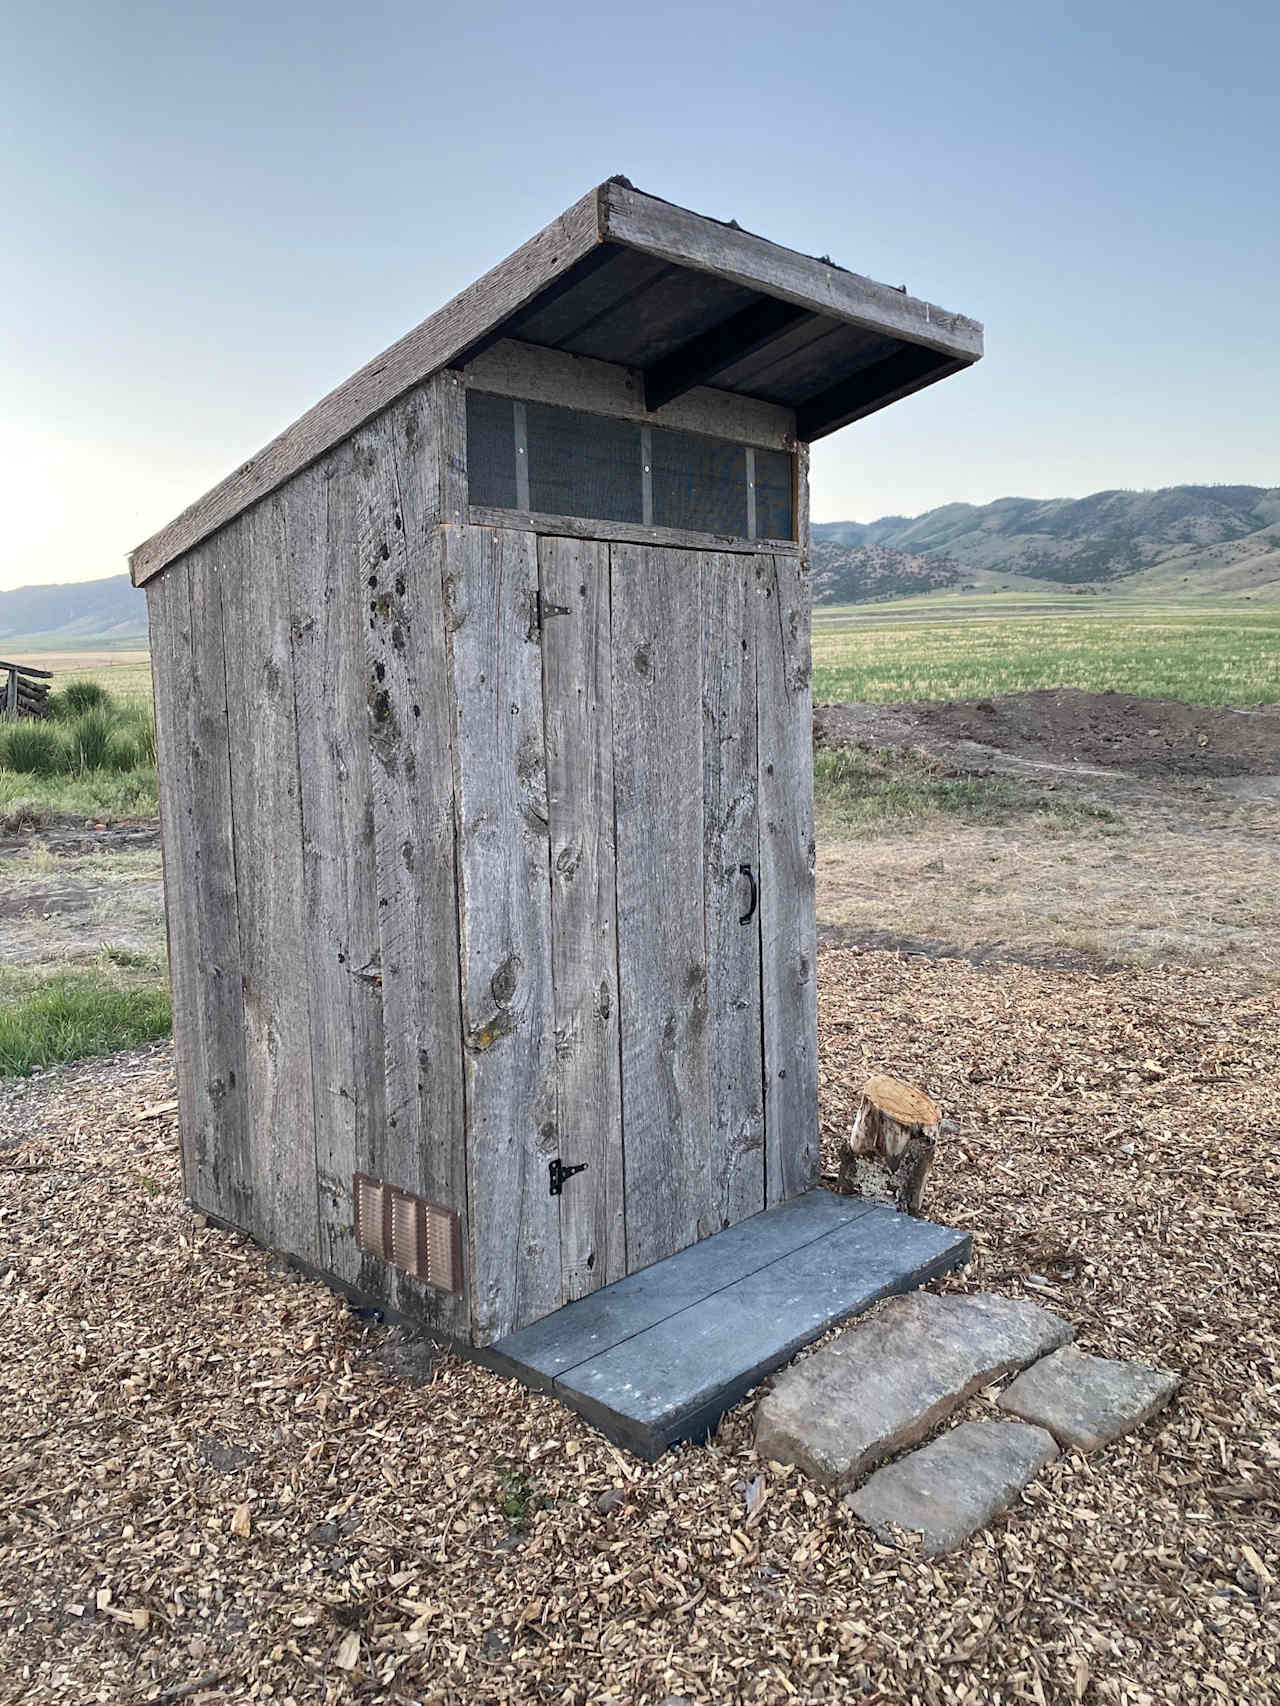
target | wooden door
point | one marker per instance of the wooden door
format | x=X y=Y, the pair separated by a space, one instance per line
x=650 y=666
x=636 y=923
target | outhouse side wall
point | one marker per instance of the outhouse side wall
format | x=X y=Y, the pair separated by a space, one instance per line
x=307 y=809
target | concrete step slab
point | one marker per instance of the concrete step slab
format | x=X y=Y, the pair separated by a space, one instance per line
x=888 y=1382
x=947 y=1490
x=1088 y=1401
x=659 y=1357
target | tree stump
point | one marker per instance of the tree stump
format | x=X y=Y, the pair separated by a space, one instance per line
x=889 y=1149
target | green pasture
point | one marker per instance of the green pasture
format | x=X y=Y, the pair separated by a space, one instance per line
x=947 y=648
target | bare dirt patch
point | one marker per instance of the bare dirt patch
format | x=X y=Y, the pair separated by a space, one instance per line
x=66 y=896
x=1185 y=863
x=1148 y=739
x=212 y=1485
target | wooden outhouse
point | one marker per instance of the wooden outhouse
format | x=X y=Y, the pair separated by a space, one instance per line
x=483 y=705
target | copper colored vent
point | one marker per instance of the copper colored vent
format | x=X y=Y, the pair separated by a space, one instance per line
x=418 y=1237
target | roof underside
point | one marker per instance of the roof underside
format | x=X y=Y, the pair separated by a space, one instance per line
x=681 y=299
x=682 y=328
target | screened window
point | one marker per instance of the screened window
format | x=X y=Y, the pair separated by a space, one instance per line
x=554 y=461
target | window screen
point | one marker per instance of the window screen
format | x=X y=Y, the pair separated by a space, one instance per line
x=775 y=495
x=553 y=461
x=699 y=484
x=586 y=465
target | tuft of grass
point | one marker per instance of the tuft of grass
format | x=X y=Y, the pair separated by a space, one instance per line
x=69 y=1015
x=863 y=792
x=77 y=697
x=31 y=749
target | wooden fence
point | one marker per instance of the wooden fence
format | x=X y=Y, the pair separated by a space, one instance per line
x=25 y=691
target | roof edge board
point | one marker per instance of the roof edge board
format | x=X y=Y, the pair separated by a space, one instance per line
x=433 y=344
x=656 y=227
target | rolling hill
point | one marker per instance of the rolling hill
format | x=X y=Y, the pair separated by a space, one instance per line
x=98 y=615
x=1183 y=540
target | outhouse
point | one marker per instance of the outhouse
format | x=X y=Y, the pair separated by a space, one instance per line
x=483 y=710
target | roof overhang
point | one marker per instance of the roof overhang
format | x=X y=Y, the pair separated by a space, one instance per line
x=686 y=300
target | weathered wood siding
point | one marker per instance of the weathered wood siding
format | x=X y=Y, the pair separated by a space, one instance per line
x=577 y=675
x=194 y=765
x=788 y=928
x=662 y=948
x=309 y=862
x=420 y=1145
x=508 y=1018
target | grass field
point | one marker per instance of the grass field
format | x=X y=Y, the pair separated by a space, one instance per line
x=950 y=648
x=118 y=1002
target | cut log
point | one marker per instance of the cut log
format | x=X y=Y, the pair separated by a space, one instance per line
x=889 y=1150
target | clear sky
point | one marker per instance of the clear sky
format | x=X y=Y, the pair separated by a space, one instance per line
x=214 y=213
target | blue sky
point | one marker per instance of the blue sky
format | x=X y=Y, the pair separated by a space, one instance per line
x=213 y=214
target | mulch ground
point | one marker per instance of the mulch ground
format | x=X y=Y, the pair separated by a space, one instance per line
x=219 y=1484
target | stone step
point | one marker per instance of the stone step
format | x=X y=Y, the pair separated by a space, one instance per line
x=947 y=1490
x=887 y=1382
x=1088 y=1401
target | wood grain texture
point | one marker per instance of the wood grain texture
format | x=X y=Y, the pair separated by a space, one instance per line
x=683 y=238
x=430 y=346
x=577 y=693
x=788 y=927
x=201 y=902
x=662 y=954
x=267 y=827
x=326 y=603
x=169 y=630
x=513 y=369
x=624 y=532
x=422 y=1146
x=505 y=915
x=731 y=838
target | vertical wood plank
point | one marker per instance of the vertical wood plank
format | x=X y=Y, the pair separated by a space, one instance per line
x=662 y=964
x=201 y=899
x=788 y=927
x=422 y=1144
x=267 y=821
x=505 y=914
x=169 y=627
x=326 y=599
x=735 y=1138
x=577 y=667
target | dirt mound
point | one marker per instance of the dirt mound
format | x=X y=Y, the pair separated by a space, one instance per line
x=1149 y=738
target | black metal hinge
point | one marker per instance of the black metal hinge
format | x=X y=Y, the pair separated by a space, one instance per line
x=559 y=1173
x=542 y=609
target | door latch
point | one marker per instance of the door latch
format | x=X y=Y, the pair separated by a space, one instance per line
x=559 y=1173
x=754 y=901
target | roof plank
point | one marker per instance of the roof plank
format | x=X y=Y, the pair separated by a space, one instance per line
x=661 y=228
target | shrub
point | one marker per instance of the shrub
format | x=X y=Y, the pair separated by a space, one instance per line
x=32 y=750
x=77 y=697
x=90 y=742
x=138 y=728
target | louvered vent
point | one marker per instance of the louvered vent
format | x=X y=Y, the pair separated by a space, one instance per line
x=418 y=1237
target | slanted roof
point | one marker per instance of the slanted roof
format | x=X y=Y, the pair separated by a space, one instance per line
x=626 y=277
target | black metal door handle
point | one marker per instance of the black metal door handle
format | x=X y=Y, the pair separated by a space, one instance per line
x=749 y=874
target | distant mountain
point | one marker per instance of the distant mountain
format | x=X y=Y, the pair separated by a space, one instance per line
x=1223 y=540
x=855 y=574
x=80 y=615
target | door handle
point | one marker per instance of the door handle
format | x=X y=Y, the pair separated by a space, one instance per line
x=749 y=874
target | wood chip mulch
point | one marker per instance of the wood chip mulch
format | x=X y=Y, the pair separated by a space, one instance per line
x=220 y=1484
